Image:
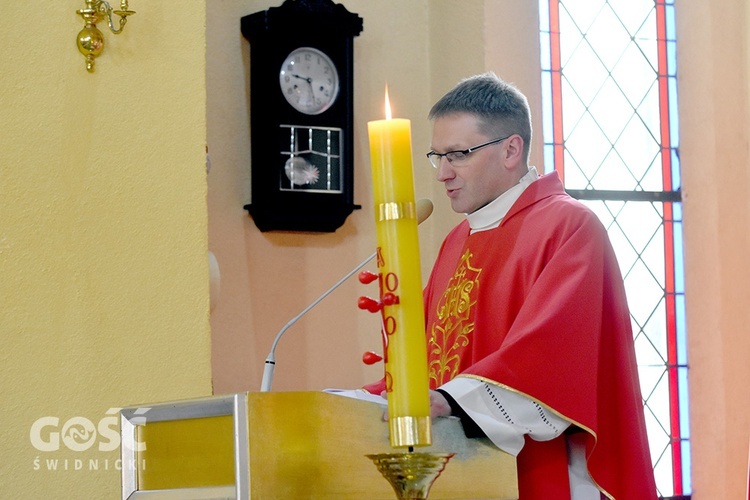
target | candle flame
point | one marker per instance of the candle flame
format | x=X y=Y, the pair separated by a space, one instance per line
x=387 y=104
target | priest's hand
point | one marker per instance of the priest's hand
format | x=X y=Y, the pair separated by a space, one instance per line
x=439 y=406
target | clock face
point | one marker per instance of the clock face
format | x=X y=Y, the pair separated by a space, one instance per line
x=309 y=80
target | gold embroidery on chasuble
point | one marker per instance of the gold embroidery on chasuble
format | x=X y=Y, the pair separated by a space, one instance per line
x=450 y=332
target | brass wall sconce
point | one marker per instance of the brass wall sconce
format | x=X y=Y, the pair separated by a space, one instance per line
x=90 y=39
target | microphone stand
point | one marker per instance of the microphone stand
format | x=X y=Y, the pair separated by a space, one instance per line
x=423 y=211
x=270 y=364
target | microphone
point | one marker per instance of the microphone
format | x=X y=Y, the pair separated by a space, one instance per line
x=423 y=209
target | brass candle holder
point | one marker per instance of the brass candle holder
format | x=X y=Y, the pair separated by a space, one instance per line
x=90 y=39
x=411 y=474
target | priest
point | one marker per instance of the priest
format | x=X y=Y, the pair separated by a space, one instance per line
x=528 y=331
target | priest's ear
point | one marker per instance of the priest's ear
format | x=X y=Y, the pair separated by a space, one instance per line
x=514 y=151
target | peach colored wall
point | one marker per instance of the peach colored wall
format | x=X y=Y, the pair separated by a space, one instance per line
x=267 y=278
x=715 y=141
x=422 y=48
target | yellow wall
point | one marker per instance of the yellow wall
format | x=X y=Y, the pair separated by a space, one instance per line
x=103 y=239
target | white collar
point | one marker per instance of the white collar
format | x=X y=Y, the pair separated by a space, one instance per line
x=491 y=215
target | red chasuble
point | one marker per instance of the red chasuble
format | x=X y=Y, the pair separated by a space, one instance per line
x=537 y=306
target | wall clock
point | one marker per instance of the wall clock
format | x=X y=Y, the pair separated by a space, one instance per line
x=309 y=80
x=301 y=115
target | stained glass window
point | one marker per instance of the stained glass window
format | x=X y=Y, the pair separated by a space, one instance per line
x=610 y=130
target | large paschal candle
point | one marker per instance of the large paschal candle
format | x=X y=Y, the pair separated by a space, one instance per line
x=407 y=380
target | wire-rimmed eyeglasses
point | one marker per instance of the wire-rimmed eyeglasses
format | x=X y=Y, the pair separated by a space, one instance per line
x=459 y=155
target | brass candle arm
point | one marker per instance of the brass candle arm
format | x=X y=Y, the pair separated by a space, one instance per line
x=90 y=39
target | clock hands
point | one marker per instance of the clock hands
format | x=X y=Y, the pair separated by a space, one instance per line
x=307 y=79
x=311 y=94
x=310 y=83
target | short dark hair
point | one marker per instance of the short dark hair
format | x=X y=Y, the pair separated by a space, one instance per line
x=500 y=106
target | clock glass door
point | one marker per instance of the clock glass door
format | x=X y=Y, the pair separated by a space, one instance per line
x=311 y=159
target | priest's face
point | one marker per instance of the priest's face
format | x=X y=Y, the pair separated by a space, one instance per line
x=473 y=179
